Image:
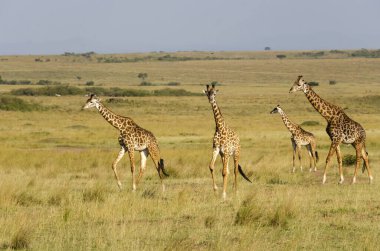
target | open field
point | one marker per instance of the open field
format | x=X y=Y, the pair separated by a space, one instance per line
x=58 y=192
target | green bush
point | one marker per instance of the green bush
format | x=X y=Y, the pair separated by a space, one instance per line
x=349 y=160
x=49 y=91
x=310 y=123
x=90 y=83
x=8 y=103
x=313 y=83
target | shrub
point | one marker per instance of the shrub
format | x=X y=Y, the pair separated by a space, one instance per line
x=281 y=56
x=146 y=83
x=47 y=82
x=313 y=83
x=8 y=103
x=310 y=123
x=49 y=91
x=332 y=82
x=174 y=84
x=90 y=83
x=248 y=212
x=349 y=160
x=21 y=239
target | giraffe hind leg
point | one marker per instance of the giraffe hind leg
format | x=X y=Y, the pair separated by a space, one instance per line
x=144 y=155
x=155 y=155
x=114 y=165
x=366 y=162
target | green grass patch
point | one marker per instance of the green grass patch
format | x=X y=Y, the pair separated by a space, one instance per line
x=8 y=103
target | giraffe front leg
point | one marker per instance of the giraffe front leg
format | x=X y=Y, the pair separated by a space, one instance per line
x=309 y=150
x=225 y=159
x=340 y=164
x=132 y=160
x=144 y=155
x=299 y=156
x=212 y=166
x=329 y=155
x=294 y=155
x=114 y=165
x=358 y=148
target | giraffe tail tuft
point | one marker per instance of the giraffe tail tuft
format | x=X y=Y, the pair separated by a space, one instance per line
x=364 y=167
x=243 y=174
x=162 y=168
x=316 y=156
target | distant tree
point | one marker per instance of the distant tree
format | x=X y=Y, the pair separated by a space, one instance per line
x=142 y=76
x=267 y=48
x=281 y=56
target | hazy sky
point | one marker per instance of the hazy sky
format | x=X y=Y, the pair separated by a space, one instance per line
x=117 y=26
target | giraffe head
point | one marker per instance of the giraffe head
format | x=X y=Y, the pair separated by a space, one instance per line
x=210 y=92
x=299 y=85
x=277 y=109
x=93 y=101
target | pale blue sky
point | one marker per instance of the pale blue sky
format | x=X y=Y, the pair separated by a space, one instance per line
x=121 y=26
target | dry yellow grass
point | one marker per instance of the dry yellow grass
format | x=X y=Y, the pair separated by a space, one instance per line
x=57 y=190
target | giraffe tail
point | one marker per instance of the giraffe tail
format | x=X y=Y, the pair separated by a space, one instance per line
x=316 y=156
x=162 y=168
x=243 y=174
x=364 y=167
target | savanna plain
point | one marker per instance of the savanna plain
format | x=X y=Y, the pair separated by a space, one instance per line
x=58 y=191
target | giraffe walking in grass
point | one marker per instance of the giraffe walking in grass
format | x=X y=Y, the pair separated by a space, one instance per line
x=340 y=128
x=132 y=138
x=299 y=138
x=226 y=143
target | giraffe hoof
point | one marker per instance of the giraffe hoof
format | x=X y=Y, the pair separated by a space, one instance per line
x=340 y=182
x=370 y=179
x=224 y=195
x=353 y=180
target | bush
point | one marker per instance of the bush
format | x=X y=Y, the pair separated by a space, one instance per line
x=47 y=82
x=174 y=84
x=146 y=83
x=8 y=103
x=281 y=56
x=349 y=160
x=310 y=123
x=332 y=82
x=49 y=91
x=313 y=83
x=90 y=83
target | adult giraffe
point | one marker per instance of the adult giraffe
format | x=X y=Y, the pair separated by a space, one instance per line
x=226 y=143
x=132 y=138
x=340 y=128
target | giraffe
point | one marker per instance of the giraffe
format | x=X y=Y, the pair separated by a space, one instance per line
x=225 y=143
x=132 y=138
x=299 y=138
x=340 y=128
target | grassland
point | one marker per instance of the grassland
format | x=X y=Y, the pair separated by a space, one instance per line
x=57 y=190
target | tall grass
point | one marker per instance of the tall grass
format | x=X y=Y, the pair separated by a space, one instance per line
x=58 y=191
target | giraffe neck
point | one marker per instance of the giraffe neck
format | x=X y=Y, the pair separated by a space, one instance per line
x=324 y=108
x=219 y=120
x=292 y=127
x=109 y=116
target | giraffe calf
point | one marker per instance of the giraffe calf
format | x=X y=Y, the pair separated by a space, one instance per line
x=299 y=138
